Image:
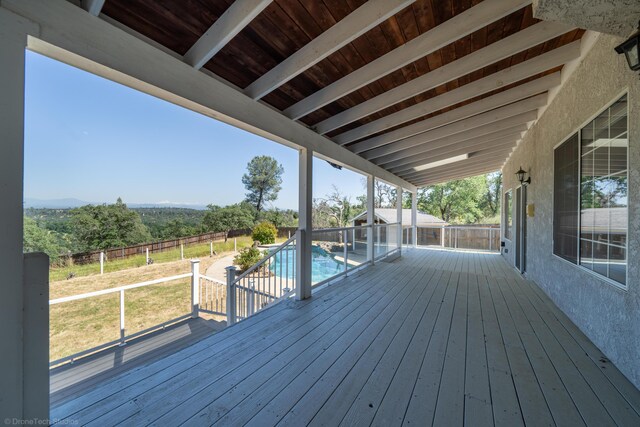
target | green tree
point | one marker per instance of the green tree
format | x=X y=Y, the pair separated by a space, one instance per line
x=36 y=239
x=175 y=229
x=107 y=226
x=225 y=219
x=263 y=181
x=280 y=217
x=491 y=201
x=454 y=201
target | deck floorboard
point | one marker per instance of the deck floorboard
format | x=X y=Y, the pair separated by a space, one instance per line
x=436 y=337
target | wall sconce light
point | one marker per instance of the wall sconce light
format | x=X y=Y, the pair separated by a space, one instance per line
x=520 y=174
x=631 y=50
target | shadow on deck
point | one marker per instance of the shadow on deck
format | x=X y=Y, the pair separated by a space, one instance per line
x=437 y=337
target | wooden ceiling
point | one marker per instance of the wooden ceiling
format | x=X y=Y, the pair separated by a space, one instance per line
x=282 y=28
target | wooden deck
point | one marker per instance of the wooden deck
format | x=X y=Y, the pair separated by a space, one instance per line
x=434 y=338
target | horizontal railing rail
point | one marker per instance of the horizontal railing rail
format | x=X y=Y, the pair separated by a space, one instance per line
x=484 y=238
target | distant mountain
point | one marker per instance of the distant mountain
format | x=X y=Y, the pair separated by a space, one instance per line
x=54 y=203
x=75 y=203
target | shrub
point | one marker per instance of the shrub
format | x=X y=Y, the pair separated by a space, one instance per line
x=247 y=258
x=265 y=233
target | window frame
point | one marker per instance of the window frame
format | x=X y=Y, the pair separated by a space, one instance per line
x=578 y=131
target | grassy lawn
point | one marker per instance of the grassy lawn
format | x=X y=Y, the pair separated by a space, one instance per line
x=83 y=324
x=191 y=251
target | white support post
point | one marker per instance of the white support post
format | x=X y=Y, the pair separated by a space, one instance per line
x=399 y=218
x=181 y=251
x=370 y=218
x=304 y=235
x=231 y=295
x=36 y=336
x=122 y=326
x=353 y=241
x=195 y=288
x=102 y=263
x=442 y=236
x=13 y=41
x=147 y=255
x=346 y=249
x=414 y=218
x=211 y=248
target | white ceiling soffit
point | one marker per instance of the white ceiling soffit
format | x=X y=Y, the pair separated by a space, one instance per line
x=504 y=48
x=458 y=175
x=449 y=31
x=342 y=33
x=494 y=81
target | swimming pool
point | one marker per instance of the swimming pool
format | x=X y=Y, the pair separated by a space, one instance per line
x=323 y=266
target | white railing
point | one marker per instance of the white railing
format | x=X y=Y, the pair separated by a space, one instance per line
x=337 y=252
x=124 y=336
x=270 y=280
x=455 y=237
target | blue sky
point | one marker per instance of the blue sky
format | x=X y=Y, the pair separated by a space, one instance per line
x=95 y=140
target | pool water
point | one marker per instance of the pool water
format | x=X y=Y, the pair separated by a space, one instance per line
x=323 y=266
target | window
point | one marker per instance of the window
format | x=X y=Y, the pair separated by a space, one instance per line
x=508 y=217
x=565 y=200
x=597 y=157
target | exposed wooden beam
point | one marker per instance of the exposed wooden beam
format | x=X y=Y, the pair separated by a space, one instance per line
x=494 y=81
x=70 y=35
x=518 y=42
x=449 y=31
x=472 y=164
x=93 y=6
x=488 y=154
x=489 y=128
x=458 y=140
x=466 y=125
x=459 y=175
x=456 y=150
x=502 y=98
x=343 y=32
x=226 y=27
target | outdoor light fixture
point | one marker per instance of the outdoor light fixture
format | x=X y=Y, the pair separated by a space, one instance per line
x=520 y=174
x=631 y=50
x=441 y=162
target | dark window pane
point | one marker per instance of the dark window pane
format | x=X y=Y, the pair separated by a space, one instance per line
x=565 y=199
x=600 y=258
x=618 y=264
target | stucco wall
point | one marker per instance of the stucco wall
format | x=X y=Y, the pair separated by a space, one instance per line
x=608 y=315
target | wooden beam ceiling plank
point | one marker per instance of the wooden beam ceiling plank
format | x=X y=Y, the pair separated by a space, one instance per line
x=68 y=34
x=505 y=48
x=343 y=32
x=226 y=27
x=461 y=175
x=449 y=31
x=463 y=172
x=465 y=125
x=537 y=65
x=94 y=7
x=456 y=150
x=498 y=100
x=489 y=128
x=484 y=154
x=487 y=161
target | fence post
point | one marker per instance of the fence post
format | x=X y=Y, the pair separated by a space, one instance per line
x=195 y=288
x=147 y=256
x=211 y=248
x=122 y=331
x=181 y=250
x=101 y=263
x=346 y=249
x=231 y=295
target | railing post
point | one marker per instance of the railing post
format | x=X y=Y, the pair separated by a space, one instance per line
x=490 y=239
x=122 y=330
x=195 y=288
x=231 y=295
x=456 y=240
x=101 y=263
x=346 y=249
x=442 y=236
